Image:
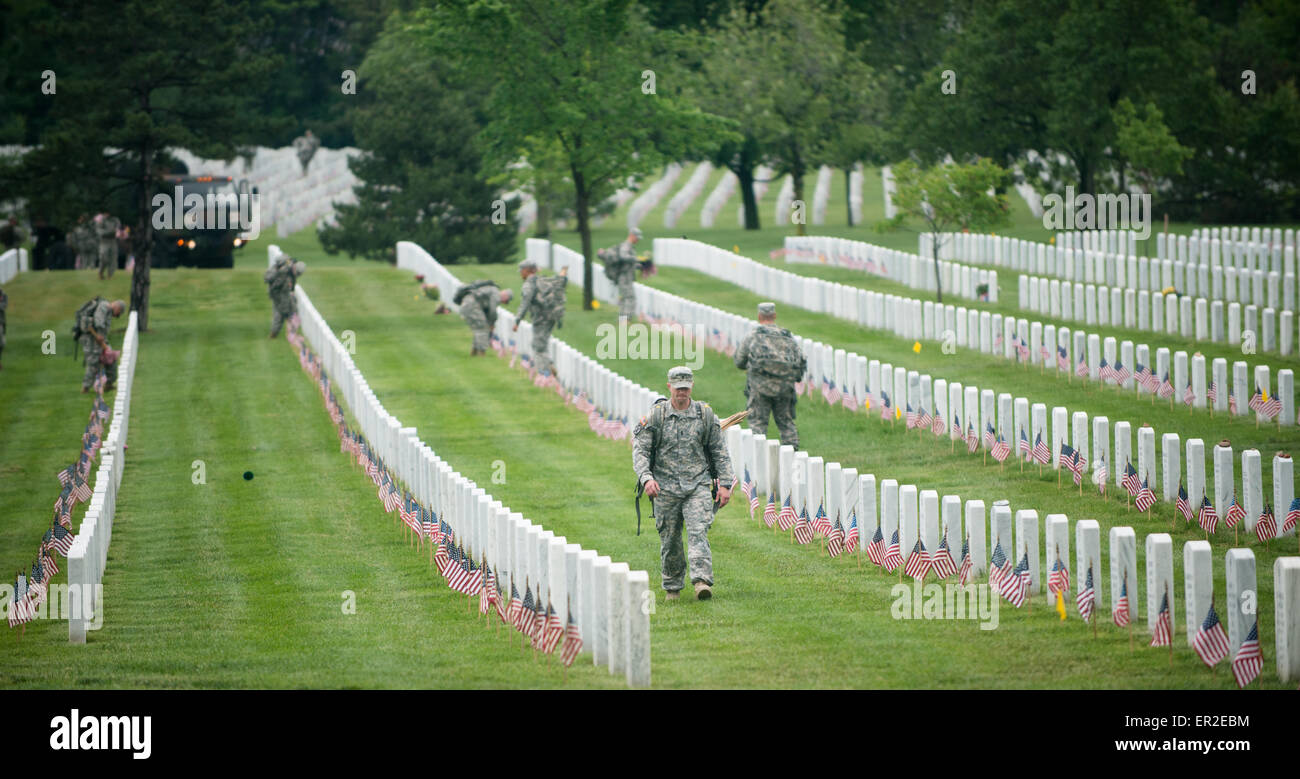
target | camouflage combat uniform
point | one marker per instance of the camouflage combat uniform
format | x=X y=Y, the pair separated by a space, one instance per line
x=774 y=363
x=479 y=310
x=83 y=242
x=99 y=320
x=546 y=314
x=620 y=267
x=305 y=146
x=687 y=441
x=280 y=280
x=105 y=232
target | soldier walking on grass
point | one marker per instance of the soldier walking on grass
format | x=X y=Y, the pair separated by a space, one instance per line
x=679 y=455
x=280 y=280
x=774 y=363
x=620 y=268
x=544 y=299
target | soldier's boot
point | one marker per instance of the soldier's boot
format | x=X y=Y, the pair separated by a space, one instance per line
x=672 y=594
x=703 y=591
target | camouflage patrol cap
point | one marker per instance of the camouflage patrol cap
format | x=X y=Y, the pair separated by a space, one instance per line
x=299 y=268
x=681 y=376
x=767 y=309
x=635 y=231
x=527 y=263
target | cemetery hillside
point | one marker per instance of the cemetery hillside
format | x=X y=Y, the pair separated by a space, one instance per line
x=634 y=344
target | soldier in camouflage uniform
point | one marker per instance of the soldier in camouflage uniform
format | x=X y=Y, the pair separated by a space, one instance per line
x=774 y=363
x=620 y=268
x=95 y=318
x=105 y=229
x=479 y=310
x=544 y=299
x=82 y=241
x=305 y=146
x=678 y=451
x=280 y=280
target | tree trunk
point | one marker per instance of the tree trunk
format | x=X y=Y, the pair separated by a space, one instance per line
x=848 y=193
x=934 y=250
x=796 y=172
x=584 y=230
x=144 y=244
x=542 y=229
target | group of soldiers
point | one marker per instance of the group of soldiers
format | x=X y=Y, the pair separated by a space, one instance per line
x=97 y=241
x=541 y=297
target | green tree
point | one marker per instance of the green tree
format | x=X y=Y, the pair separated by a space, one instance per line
x=574 y=71
x=423 y=178
x=1144 y=143
x=949 y=197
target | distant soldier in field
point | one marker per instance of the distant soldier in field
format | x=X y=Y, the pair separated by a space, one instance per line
x=280 y=280
x=544 y=299
x=90 y=328
x=620 y=268
x=105 y=227
x=774 y=363
x=679 y=455
x=306 y=146
x=478 y=303
x=82 y=241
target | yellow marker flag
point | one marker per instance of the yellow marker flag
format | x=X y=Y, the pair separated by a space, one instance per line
x=916 y=347
x=898 y=412
x=595 y=304
x=735 y=249
x=1060 y=605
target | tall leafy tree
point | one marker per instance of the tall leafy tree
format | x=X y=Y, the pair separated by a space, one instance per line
x=573 y=71
x=421 y=172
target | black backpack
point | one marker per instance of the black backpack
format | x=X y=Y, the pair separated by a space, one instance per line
x=83 y=314
x=468 y=288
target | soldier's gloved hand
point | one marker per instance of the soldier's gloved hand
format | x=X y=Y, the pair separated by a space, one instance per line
x=724 y=495
x=515 y=329
x=652 y=488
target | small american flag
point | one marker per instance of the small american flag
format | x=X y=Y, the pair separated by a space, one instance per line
x=1102 y=475
x=1235 y=513
x=1062 y=359
x=1105 y=372
x=1022 y=349
x=893 y=557
x=1025 y=450
x=911 y=417
x=747 y=487
x=1232 y=404
x=1145 y=498
x=769 y=514
x=787 y=517
x=1130 y=481
x=1249 y=660
x=1265 y=526
x=802 y=529
x=1044 y=352
x=1212 y=394
x=572 y=642
x=516 y=605
x=1041 y=453
x=1182 y=504
x=1271 y=406
x=1292 y=517
x=923 y=418
x=835 y=539
x=1121 y=373
x=941 y=561
x=554 y=630
x=1082 y=370
x=936 y=425
x=972 y=441
x=1087 y=597
x=1207 y=517
x=1166 y=387
x=885 y=408
x=1016 y=586
x=996 y=568
x=1059 y=578
x=524 y=615
x=876 y=549
x=1000 y=449
x=61 y=539
x=990 y=436
x=1256 y=400
x=918 y=562
x=963 y=575
x=853 y=538
x=1210 y=642
x=821 y=523
x=1120 y=612
x=1161 y=636
x=1189 y=396
x=956 y=424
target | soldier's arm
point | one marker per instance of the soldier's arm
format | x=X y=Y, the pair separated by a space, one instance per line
x=742 y=354
x=642 y=440
x=526 y=297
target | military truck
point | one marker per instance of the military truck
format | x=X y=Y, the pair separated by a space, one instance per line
x=199 y=238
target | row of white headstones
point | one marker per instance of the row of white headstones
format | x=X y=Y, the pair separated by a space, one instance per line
x=905 y=268
x=89 y=552
x=12 y=262
x=810 y=482
x=609 y=601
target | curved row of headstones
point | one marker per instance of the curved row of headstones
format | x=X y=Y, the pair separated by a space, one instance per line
x=821 y=195
x=809 y=482
x=722 y=192
x=608 y=599
x=911 y=270
x=1261 y=246
x=89 y=552
x=12 y=262
x=682 y=198
x=647 y=200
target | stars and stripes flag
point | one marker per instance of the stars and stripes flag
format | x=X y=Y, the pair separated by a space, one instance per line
x=936 y=425
x=1207 y=516
x=990 y=436
x=441 y=559
x=1074 y=461
x=61 y=539
x=850 y=401
x=1101 y=476
x=923 y=419
x=572 y=641
x=821 y=523
x=963 y=575
x=1087 y=597
x=1041 y=453
x=1182 y=504
x=1058 y=580
x=1212 y=394
x=769 y=514
x=1025 y=450
x=1265 y=526
x=1166 y=387
x=1292 y=517
x=429 y=522
x=1210 y=642
x=1121 y=373
x=918 y=562
x=1161 y=635
x=1105 y=372
x=1249 y=660
x=1062 y=359
x=1120 y=612
x=1015 y=587
x=972 y=440
x=1082 y=370
x=516 y=605
x=885 y=408
x=956 y=424
x=833 y=394
x=1044 y=352
x=787 y=518
x=1130 y=481
x=893 y=557
x=1256 y=400
x=1000 y=449
x=876 y=548
x=1271 y=406
x=802 y=528
x=523 y=620
x=1235 y=513
x=488 y=592
x=911 y=417
x=1147 y=378
x=853 y=537
x=747 y=487
x=1145 y=497
x=835 y=539
x=941 y=561
x=554 y=630
x=1189 y=395
x=997 y=568
x=1232 y=404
